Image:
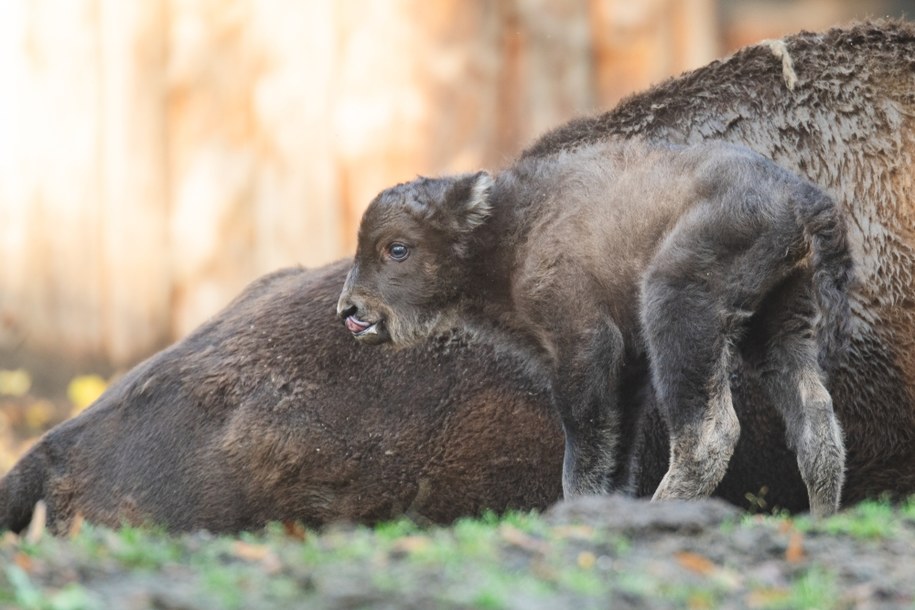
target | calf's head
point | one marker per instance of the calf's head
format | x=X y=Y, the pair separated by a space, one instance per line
x=410 y=268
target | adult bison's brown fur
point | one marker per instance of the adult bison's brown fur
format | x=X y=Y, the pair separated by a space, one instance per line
x=270 y=412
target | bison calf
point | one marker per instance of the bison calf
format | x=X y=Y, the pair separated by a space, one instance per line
x=596 y=262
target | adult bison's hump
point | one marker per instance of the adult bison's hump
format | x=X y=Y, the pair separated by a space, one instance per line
x=270 y=411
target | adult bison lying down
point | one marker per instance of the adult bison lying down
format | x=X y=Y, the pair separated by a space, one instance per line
x=271 y=411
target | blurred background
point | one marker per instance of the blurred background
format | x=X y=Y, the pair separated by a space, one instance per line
x=157 y=155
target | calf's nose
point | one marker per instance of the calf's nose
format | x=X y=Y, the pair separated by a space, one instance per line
x=344 y=306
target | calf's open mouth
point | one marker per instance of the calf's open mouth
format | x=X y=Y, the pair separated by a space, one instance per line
x=361 y=327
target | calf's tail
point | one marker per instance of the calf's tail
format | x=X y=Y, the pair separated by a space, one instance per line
x=833 y=270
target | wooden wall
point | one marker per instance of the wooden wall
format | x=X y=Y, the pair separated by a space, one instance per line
x=156 y=155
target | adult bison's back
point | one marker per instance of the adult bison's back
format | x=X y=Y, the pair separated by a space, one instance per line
x=271 y=412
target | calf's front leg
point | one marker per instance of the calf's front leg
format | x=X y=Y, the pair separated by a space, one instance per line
x=793 y=379
x=585 y=390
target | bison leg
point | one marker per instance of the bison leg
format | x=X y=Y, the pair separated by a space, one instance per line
x=713 y=273
x=793 y=380
x=584 y=391
x=710 y=274
x=690 y=353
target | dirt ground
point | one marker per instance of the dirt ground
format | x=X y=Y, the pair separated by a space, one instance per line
x=592 y=553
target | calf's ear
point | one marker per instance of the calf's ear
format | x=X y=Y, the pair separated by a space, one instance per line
x=467 y=201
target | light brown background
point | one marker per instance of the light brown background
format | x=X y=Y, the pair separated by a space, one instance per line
x=157 y=155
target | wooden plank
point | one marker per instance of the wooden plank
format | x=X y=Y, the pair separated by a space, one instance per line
x=637 y=44
x=383 y=103
x=156 y=156
x=432 y=88
x=294 y=191
x=13 y=212
x=51 y=271
x=212 y=152
x=132 y=133
x=695 y=34
x=547 y=67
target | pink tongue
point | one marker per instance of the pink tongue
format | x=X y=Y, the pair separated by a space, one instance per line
x=354 y=325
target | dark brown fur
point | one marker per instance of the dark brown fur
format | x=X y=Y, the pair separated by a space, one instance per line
x=848 y=124
x=270 y=412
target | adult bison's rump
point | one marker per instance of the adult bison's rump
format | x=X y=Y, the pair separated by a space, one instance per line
x=270 y=412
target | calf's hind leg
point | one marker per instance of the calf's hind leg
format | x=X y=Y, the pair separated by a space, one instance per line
x=702 y=286
x=690 y=352
x=793 y=380
x=697 y=298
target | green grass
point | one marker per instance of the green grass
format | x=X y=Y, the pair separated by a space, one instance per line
x=868 y=520
x=514 y=561
x=815 y=589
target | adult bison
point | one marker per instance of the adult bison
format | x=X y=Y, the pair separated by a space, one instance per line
x=835 y=107
x=269 y=412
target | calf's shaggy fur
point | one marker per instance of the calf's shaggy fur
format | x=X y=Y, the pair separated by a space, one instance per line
x=841 y=114
x=601 y=262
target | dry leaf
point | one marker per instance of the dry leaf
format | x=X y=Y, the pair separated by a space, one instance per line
x=9 y=539
x=765 y=598
x=516 y=537
x=695 y=563
x=785 y=526
x=579 y=532
x=76 y=526
x=23 y=561
x=250 y=552
x=410 y=544
x=795 y=551
x=258 y=553
x=586 y=560
x=295 y=530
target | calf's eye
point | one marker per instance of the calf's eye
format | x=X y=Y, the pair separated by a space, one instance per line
x=398 y=251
